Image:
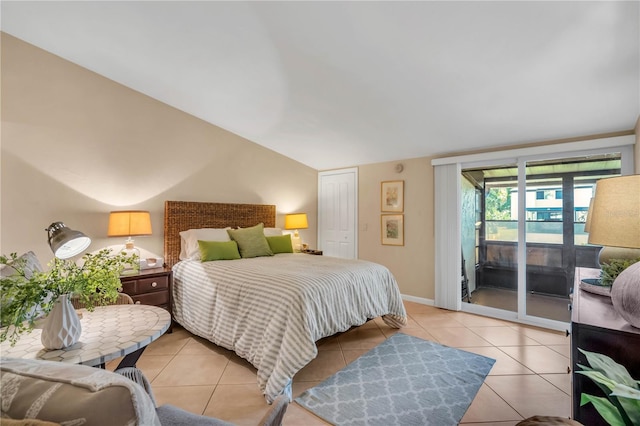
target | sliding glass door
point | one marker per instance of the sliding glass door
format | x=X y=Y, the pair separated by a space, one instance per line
x=490 y=235
x=522 y=232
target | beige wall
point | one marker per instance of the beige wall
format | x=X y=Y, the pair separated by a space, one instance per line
x=76 y=145
x=413 y=263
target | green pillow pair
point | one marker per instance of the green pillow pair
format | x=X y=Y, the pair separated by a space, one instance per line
x=245 y=242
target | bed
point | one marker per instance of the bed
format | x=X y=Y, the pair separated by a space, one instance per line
x=270 y=310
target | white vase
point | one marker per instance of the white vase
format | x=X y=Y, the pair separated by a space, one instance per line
x=625 y=294
x=62 y=327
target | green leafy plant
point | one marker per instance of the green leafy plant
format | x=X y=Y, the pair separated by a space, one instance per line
x=26 y=297
x=611 y=270
x=621 y=406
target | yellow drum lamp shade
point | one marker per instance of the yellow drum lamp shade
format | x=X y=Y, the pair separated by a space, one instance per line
x=296 y=221
x=129 y=223
x=614 y=219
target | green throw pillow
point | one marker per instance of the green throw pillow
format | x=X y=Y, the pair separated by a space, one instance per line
x=251 y=241
x=218 y=250
x=280 y=244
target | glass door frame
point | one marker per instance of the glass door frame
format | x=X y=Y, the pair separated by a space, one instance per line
x=521 y=315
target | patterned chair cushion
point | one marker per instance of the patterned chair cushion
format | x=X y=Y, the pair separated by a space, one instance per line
x=71 y=394
x=27 y=422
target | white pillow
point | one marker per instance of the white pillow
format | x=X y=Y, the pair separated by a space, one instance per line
x=189 y=240
x=272 y=232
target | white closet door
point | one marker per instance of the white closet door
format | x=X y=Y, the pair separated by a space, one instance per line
x=338 y=213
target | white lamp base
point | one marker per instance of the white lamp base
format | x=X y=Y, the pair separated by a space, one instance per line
x=296 y=241
x=296 y=244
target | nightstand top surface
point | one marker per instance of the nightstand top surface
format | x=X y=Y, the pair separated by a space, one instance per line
x=148 y=272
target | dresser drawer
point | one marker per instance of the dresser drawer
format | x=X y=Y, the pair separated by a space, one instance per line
x=145 y=285
x=150 y=287
x=156 y=298
x=128 y=287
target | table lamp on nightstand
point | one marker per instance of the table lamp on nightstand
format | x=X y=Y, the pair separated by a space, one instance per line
x=616 y=223
x=130 y=223
x=296 y=221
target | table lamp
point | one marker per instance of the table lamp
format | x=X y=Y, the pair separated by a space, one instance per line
x=65 y=242
x=615 y=222
x=129 y=223
x=296 y=221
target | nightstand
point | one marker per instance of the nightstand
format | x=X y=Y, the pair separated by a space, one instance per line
x=597 y=327
x=316 y=252
x=149 y=287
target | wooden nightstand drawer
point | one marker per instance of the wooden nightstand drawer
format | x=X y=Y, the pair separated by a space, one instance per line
x=157 y=298
x=129 y=287
x=146 y=285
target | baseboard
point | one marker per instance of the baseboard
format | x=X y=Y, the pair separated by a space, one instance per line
x=421 y=300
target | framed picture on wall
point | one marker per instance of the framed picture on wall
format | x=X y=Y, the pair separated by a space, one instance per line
x=392 y=196
x=392 y=229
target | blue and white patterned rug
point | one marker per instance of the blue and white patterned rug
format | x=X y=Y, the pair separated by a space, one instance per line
x=403 y=381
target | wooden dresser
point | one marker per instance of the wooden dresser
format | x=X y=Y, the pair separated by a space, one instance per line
x=597 y=327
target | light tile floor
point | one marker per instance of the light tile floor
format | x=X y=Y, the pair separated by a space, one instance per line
x=530 y=376
x=538 y=305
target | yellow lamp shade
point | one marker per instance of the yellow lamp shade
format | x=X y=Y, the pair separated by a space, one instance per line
x=129 y=223
x=615 y=217
x=296 y=221
x=587 y=224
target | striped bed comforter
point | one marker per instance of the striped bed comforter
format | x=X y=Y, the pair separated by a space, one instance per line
x=272 y=310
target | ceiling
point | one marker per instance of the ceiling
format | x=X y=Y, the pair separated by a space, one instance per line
x=337 y=84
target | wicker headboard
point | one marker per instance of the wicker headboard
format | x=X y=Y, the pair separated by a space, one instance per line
x=182 y=215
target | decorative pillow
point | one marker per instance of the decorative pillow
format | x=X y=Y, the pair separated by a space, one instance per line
x=251 y=241
x=189 y=248
x=218 y=250
x=272 y=232
x=280 y=244
x=72 y=394
x=31 y=265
